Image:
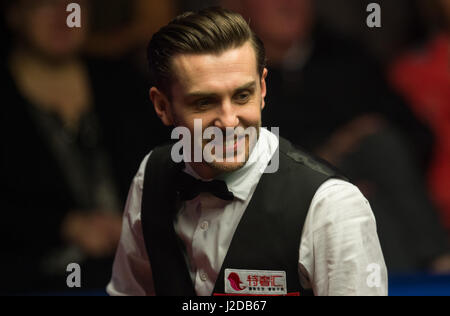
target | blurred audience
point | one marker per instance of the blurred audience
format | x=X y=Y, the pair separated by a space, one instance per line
x=73 y=131
x=195 y=5
x=327 y=95
x=422 y=76
x=126 y=25
x=74 y=128
x=401 y=24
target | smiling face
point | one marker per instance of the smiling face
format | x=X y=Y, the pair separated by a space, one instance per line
x=224 y=91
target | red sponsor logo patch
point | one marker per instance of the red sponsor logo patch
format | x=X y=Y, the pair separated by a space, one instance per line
x=255 y=282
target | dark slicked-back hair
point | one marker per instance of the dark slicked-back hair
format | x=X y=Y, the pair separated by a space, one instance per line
x=209 y=31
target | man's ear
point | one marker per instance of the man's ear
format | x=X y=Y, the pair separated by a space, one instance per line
x=264 y=88
x=162 y=108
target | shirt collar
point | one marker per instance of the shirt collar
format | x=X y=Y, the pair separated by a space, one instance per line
x=243 y=181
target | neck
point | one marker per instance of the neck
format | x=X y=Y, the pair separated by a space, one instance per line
x=25 y=65
x=204 y=171
x=32 y=58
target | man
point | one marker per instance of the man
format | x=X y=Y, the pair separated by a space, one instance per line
x=226 y=227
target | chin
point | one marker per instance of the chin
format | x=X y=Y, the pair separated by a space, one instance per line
x=235 y=164
x=230 y=166
x=227 y=167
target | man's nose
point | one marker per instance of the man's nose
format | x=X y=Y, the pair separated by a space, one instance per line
x=227 y=116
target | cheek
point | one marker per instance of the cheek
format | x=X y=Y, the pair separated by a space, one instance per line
x=251 y=115
x=188 y=120
x=185 y=116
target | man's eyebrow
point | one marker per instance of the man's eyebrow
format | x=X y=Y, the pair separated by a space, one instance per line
x=200 y=94
x=250 y=85
x=205 y=94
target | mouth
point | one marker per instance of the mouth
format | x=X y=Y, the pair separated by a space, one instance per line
x=233 y=144
x=229 y=147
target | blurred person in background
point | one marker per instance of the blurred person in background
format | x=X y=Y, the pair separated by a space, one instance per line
x=332 y=99
x=195 y=5
x=422 y=76
x=123 y=30
x=73 y=130
x=400 y=19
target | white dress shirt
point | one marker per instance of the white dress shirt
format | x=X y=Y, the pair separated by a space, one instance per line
x=339 y=254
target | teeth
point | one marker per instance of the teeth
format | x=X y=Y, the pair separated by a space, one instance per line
x=230 y=143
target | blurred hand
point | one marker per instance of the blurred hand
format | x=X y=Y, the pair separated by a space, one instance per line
x=96 y=234
x=441 y=265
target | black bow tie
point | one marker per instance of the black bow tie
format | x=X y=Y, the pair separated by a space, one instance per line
x=189 y=188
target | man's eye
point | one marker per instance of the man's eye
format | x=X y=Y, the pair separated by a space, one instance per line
x=243 y=97
x=203 y=103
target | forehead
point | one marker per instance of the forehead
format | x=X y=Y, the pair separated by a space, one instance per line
x=215 y=72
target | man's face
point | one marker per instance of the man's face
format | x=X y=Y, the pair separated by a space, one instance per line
x=224 y=91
